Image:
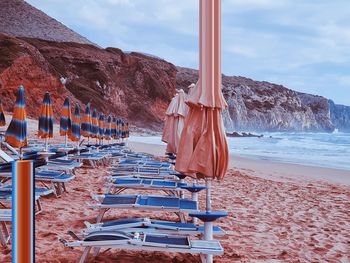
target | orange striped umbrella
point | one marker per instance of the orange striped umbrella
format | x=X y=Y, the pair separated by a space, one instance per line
x=66 y=119
x=101 y=126
x=94 y=129
x=45 y=129
x=75 y=134
x=2 y=116
x=108 y=128
x=86 y=125
x=16 y=134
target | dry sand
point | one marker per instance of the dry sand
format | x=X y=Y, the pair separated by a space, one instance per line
x=277 y=213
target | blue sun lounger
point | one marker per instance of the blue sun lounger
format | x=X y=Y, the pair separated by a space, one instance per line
x=144 y=242
x=146 y=225
x=5 y=216
x=143 y=202
x=57 y=180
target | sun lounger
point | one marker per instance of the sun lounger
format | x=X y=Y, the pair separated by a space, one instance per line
x=57 y=180
x=6 y=199
x=142 y=202
x=146 y=225
x=5 y=216
x=170 y=187
x=144 y=242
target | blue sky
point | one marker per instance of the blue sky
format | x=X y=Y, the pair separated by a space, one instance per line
x=302 y=44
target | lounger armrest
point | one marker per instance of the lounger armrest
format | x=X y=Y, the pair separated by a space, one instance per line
x=194 y=188
x=208 y=216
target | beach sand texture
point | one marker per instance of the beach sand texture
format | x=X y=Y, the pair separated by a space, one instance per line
x=273 y=217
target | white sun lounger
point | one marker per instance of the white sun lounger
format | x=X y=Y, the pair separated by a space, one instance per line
x=142 y=202
x=146 y=225
x=5 y=216
x=145 y=242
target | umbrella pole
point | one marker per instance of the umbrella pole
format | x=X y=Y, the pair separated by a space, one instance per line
x=208 y=226
x=65 y=140
x=46 y=144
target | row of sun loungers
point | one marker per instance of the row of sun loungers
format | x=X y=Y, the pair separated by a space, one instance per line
x=129 y=171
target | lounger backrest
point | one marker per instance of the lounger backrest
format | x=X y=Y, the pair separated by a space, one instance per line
x=5 y=157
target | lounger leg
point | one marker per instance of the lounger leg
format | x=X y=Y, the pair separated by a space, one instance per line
x=100 y=215
x=40 y=209
x=85 y=255
x=96 y=251
x=4 y=235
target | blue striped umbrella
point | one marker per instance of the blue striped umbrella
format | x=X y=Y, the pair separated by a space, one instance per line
x=95 y=128
x=16 y=134
x=101 y=126
x=45 y=127
x=2 y=116
x=75 y=135
x=114 y=128
x=108 y=128
x=86 y=125
x=119 y=122
x=66 y=119
x=123 y=130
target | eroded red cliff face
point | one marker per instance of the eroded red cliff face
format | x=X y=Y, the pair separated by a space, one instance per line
x=130 y=85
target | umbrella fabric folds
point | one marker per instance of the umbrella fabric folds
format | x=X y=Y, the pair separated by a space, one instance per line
x=2 y=116
x=119 y=128
x=203 y=148
x=127 y=130
x=86 y=125
x=114 y=129
x=45 y=127
x=108 y=128
x=66 y=119
x=16 y=134
x=174 y=121
x=95 y=127
x=75 y=134
x=101 y=126
x=123 y=126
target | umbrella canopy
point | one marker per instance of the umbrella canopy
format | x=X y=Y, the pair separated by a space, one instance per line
x=45 y=127
x=119 y=128
x=16 y=134
x=203 y=148
x=114 y=128
x=66 y=119
x=95 y=128
x=127 y=130
x=108 y=128
x=2 y=115
x=75 y=134
x=174 y=121
x=123 y=129
x=86 y=125
x=101 y=126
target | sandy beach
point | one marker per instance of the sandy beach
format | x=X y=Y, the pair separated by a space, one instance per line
x=277 y=213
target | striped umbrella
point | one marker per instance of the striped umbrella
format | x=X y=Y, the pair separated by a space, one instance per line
x=45 y=127
x=75 y=134
x=2 y=116
x=119 y=128
x=127 y=130
x=101 y=126
x=86 y=125
x=16 y=134
x=108 y=128
x=66 y=120
x=114 y=130
x=95 y=128
x=123 y=130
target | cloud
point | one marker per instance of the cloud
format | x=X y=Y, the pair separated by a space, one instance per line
x=302 y=44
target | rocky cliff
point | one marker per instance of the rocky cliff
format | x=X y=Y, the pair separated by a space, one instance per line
x=20 y=19
x=130 y=85
x=263 y=106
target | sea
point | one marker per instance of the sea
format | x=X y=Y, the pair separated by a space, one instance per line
x=330 y=150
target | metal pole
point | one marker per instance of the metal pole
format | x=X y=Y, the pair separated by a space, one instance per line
x=23 y=198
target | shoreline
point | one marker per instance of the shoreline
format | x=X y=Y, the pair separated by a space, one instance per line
x=267 y=169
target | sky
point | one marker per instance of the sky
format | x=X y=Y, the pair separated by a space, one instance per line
x=301 y=44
